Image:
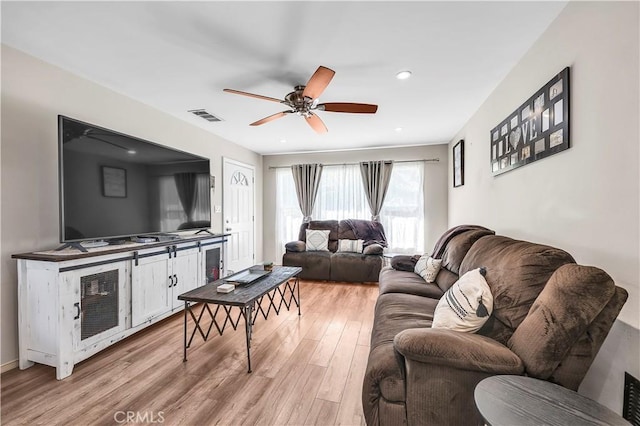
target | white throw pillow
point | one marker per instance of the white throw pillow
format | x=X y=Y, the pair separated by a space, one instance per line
x=428 y=267
x=467 y=305
x=352 y=246
x=317 y=240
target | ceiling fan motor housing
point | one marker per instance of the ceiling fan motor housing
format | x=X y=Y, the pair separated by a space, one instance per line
x=301 y=104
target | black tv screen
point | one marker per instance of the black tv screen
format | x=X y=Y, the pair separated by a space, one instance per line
x=113 y=185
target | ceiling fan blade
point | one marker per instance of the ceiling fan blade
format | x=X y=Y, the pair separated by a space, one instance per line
x=270 y=118
x=253 y=95
x=318 y=82
x=349 y=107
x=316 y=124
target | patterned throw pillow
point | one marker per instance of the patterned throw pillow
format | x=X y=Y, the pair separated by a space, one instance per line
x=352 y=246
x=317 y=240
x=428 y=267
x=466 y=306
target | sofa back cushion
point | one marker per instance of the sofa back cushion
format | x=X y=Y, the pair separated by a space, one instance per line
x=517 y=271
x=361 y=229
x=574 y=296
x=330 y=225
x=452 y=247
x=345 y=232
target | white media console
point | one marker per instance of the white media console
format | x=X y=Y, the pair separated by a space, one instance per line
x=72 y=305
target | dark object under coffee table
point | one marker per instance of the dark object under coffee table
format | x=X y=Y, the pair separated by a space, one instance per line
x=277 y=287
x=519 y=400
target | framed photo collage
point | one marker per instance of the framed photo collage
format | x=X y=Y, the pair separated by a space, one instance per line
x=537 y=129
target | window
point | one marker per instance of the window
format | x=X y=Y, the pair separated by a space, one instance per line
x=341 y=196
x=288 y=215
x=402 y=214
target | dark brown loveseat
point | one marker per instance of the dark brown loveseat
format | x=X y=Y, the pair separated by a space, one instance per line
x=334 y=265
x=549 y=320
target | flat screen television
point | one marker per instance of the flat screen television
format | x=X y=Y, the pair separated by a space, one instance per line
x=114 y=186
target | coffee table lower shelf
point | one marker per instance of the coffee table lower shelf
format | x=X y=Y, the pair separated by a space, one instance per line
x=280 y=287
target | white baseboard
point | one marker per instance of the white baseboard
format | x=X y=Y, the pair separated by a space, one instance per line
x=9 y=366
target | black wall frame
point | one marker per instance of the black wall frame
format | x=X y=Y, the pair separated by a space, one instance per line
x=537 y=129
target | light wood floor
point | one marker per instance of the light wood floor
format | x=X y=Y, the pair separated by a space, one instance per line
x=307 y=369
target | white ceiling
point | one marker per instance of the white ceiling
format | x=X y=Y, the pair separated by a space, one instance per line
x=178 y=56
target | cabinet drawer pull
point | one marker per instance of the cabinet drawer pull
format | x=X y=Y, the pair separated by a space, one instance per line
x=77 y=306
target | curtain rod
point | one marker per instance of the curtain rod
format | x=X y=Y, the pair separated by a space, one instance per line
x=426 y=160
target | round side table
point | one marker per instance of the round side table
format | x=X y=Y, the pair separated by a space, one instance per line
x=523 y=401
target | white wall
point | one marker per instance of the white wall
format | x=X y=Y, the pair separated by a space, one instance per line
x=585 y=199
x=33 y=94
x=435 y=184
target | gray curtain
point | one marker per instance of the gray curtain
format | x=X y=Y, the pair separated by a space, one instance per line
x=307 y=180
x=375 y=178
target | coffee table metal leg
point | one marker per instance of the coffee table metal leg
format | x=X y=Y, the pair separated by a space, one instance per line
x=297 y=282
x=184 y=353
x=247 y=321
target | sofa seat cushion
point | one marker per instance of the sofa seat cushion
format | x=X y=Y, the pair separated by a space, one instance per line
x=355 y=267
x=394 y=313
x=315 y=265
x=394 y=281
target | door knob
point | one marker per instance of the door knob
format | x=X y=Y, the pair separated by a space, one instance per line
x=227 y=229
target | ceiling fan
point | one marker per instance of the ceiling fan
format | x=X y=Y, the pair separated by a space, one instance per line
x=304 y=101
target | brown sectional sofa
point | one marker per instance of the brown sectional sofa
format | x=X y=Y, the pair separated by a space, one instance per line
x=549 y=320
x=333 y=265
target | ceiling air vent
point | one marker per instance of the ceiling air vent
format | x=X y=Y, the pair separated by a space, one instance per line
x=204 y=114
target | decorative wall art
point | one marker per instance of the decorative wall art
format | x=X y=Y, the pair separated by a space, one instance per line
x=458 y=164
x=114 y=182
x=538 y=129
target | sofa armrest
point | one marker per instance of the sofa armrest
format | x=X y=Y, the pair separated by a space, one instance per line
x=296 y=246
x=404 y=262
x=454 y=349
x=442 y=369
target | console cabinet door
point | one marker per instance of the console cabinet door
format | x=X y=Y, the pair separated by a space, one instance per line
x=185 y=274
x=212 y=262
x=97 y=302
x=150 y=288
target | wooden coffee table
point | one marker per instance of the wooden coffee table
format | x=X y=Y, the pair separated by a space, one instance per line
x=519 y=400
x=277 y=287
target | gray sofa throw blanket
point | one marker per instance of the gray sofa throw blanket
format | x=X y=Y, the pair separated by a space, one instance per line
x=370 y=232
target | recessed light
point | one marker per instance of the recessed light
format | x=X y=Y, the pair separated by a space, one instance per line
x=131 y=151
x=283 y=141
x=403 y=75
x=398 y=129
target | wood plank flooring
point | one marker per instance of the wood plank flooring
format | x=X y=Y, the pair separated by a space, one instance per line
x=307 y=369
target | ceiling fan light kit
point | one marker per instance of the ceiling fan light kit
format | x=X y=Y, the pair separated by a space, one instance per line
x=403 y=75
x=303 y=101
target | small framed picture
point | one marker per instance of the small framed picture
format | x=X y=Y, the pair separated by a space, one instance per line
x=458 y=164
x=555 y=90
x=114 y=182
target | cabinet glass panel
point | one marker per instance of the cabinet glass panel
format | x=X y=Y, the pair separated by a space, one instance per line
x=99 y=303
x=212 y=264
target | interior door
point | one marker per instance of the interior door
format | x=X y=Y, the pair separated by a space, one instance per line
x=238 y=214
